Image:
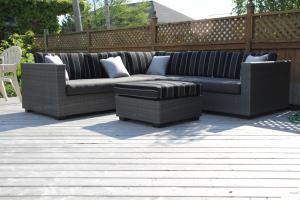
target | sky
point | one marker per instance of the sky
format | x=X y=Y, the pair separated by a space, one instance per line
x=196 y=9
x=199 y=9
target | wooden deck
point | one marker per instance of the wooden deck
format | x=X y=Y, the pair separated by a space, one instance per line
x=99 y=157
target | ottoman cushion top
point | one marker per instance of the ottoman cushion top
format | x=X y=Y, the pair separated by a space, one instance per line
x=158 y=90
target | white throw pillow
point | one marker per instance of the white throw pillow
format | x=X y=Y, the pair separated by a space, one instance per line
x=158 y=65
x=262 y=58
x=114 y=67
x=56 y=60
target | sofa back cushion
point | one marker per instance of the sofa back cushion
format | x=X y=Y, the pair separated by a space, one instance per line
x=230 y=65
x=177 y=64
x=210 y=63
x=194 y=63
x=138 y=62
x=190 y=63
x=74 y=63
x=94 y=66
x=83 y=65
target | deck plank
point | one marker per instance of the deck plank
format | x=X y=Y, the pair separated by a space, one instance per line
x=99 y=157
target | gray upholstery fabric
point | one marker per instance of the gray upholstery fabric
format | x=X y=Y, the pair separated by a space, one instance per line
x=218 y=85
x=91 y=86
x=192 y=63
x=206 y=63
x=158 y=65
x=158 y=89
x=114 y=67
x=94 y=68
x=138 y=62
x=103 y=85
x=83 y=65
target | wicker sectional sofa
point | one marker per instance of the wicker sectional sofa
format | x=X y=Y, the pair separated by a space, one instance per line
x=229 y=85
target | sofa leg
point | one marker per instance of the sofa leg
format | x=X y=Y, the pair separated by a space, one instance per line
x=195 y=118
x=158 y=125
x=26 y=110
x=123 y=119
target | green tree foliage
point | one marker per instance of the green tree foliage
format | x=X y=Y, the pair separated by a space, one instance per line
x=34 y=15
x=68 y=24
x=122 y=15
x=266 y=5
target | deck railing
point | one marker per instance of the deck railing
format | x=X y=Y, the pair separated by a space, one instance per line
x=276 y=31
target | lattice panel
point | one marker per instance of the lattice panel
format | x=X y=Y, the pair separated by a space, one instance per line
x=39 y=43
x=202 y=31
x=284 y=26
x=68 y=41
x=140 y=36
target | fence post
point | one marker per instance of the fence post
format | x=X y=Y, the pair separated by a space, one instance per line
x=153 y=30
x=46 y=35
x=249 y=25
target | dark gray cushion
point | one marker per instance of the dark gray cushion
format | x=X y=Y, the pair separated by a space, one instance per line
x=138 y=62
x=194 y=63
x=197 y=63
x=178 y=63
x=217 y=85
x=101 y=85
x=159 y=89
x=83 y=65
x=233 y=65
x=94 y=68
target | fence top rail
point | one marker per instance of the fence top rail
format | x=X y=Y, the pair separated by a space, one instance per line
x=121 y=29
x=277 y=13
x=95 y=31
x=62 y=34
x=205 y=20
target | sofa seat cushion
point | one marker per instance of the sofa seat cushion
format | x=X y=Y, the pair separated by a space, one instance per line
x=101 y=85
x=217 y=85
x=158 y=89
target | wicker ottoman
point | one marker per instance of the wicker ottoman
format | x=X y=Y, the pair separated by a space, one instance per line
x=158 y=102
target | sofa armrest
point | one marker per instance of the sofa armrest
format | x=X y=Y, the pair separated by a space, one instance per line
x=43 y=87
x=265 y=86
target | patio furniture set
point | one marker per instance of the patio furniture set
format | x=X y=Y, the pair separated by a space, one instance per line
x=156 y=87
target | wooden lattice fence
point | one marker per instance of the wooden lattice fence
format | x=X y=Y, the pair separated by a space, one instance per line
x=277 y=26
x=277 y=31
x=202 y=31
